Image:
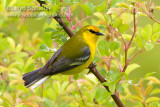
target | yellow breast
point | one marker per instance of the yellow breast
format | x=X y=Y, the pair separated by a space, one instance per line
x=91 y=42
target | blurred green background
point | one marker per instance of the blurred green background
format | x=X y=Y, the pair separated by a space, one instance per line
x=30 y=33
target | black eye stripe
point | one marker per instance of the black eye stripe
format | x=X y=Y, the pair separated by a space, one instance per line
x=97 y=33
x=92 y=31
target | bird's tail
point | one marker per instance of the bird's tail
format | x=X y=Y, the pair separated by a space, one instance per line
x=34 y=77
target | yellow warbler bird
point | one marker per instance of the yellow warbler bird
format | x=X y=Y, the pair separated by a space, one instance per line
x=73 y=57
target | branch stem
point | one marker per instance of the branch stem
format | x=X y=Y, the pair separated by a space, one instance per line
x=127 y=46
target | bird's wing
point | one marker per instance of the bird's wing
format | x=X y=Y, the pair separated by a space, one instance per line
x=64 y=64
x=51 y=60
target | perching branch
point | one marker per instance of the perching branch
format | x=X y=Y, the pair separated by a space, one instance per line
x=64 y=25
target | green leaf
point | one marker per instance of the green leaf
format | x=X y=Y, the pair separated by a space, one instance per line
x=101 y=94
x=103 y=47
x=139 y=42
x=99 y=15
x=119 y=77
x=4 y=44
x=149 y=74
x=114 y=46
x=39 y=54
x=64 y=85
x=1 y=35
x=19 y=105
x=157 y=7
x=154 y=80
x=126 y=76
x=34 y=98
x=48 y=20
x=137 y=89
x=152 y=99
x=114 y=2
x=127 y=18
x=146 y=32
x=131 y=50
x=116 y=22
x=20 y=55
x=107 y=17
x=112 y=86
x=44 y=47
x=57 y=87
x=28 y=64
x=3 y=69
x=50 y=30
x=22 y=87
x=96 y=59
x=75 y=6
x=148 y=90
x=54 y=8
x=19 y=48
x=53 y=96
x=11 y=42
x=156 y=28
x=155 y=37
x=7 y=97
x=101 y=7
x=155 y=91
x=122 y=28
x=120 y=88
x=136 y=98
x=105 y=83
x=103 y=72
x=88 y=8
x=132 y=67
x=50 y=1
x=125 y=5
x=148 y=46
x=126 y=36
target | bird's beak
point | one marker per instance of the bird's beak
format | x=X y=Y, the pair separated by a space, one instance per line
x=99 y=34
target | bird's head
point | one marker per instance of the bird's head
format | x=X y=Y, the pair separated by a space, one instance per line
x=90 y=33
x=91 y=30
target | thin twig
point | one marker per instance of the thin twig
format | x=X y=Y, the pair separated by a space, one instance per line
x=150 y=3
x=135 y=54
x=127 y=46
x=135 y=27
x=80 y=92
x=124 y=41
x=120 y=66
x=108 y=63
x=58 y=99
x=149 y=14
x=152 y=18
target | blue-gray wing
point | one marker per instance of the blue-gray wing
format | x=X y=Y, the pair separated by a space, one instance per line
x=51 y=60
x=64 y=64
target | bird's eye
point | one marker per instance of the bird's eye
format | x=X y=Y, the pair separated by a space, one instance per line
x=92 y=31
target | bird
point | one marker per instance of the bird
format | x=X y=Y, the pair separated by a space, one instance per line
x=75 y=55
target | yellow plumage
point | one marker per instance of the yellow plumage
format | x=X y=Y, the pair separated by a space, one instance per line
x=81 y=39
x=73 y=57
